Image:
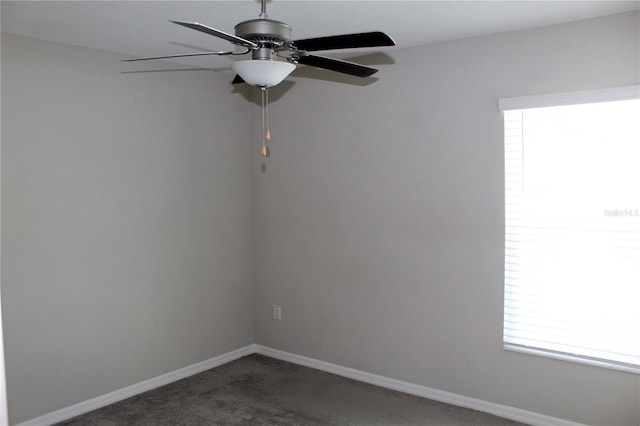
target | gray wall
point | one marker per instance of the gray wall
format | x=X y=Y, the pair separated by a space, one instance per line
x=126 y=223
x=379 y=220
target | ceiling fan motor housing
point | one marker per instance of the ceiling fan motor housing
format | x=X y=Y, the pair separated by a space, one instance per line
x=267 y=33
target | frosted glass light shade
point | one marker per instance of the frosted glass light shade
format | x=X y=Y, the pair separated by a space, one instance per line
x=263 y=73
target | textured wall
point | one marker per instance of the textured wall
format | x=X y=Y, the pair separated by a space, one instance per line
x=379 y=219
x=126 y=223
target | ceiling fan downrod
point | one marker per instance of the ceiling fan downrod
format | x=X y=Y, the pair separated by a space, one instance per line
x=263 y=9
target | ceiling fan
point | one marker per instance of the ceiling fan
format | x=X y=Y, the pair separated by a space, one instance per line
x=268 y=40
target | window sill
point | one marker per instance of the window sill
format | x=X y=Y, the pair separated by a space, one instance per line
x=627 y=368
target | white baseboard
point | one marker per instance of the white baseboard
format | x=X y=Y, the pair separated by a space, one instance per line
x=505 y=411
x=135 y=389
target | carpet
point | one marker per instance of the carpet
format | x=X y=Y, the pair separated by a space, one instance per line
x=258 y=390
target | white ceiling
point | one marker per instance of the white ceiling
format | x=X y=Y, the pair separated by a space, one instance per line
x=142 y=28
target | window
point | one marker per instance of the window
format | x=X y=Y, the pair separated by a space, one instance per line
x=572 y=226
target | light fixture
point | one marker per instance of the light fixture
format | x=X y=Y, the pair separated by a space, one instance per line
x=263 y=73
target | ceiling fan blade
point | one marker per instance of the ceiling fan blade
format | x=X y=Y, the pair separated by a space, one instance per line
x=217 y=33
x=183 y=55
x=337 y=65
x=237 y=80
x=346 y=41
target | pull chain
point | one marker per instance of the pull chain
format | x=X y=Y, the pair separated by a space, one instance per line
x=265 y=121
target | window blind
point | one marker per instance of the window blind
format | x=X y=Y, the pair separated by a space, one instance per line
x=572 y=226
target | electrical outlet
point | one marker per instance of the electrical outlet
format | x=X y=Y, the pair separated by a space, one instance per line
x=277 y=312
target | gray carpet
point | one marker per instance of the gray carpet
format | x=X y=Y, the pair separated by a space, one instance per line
x=257 y=390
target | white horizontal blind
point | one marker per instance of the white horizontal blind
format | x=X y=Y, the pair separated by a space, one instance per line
x=572 y=236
